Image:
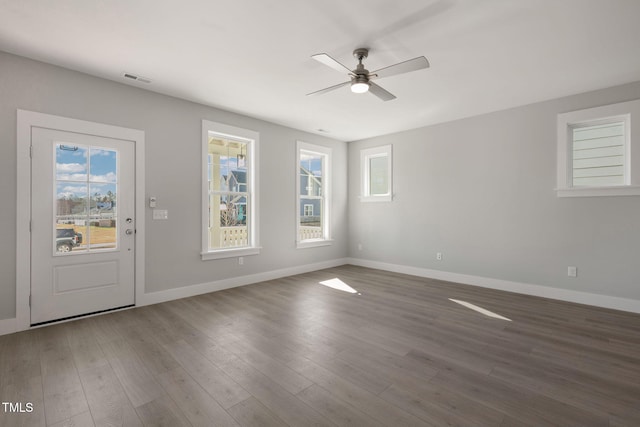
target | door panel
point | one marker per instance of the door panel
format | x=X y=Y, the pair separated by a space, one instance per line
x=82 y=207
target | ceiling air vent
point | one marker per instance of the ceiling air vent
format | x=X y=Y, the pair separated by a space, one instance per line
x=137 y=78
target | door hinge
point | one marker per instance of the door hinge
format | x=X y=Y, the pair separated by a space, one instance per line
x=29 y=226
x=31 y=151
x=29 y=300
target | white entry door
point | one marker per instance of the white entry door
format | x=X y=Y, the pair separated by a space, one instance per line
x=83 y=224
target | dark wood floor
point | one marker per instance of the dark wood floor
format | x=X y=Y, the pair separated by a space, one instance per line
x=294 y=352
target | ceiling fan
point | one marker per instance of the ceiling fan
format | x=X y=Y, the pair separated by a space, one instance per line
x=361 y=78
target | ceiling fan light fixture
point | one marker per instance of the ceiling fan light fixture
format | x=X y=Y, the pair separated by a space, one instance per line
x=359 y=87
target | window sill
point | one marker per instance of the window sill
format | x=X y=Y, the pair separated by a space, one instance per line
x=229 y=253
x=314 y=243
x=627 y=190
x=367 y=199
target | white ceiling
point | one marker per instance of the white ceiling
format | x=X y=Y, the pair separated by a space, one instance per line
x=254 y=56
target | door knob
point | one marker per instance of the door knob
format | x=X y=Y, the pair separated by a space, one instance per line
x=128 y=231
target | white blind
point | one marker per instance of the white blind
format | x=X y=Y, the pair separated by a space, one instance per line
x=598 y=155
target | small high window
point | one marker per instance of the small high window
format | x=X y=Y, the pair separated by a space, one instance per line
x=598 y=154
x=376 y=174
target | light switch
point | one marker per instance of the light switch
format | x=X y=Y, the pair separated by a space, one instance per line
x=152 y=202
x=160 y=214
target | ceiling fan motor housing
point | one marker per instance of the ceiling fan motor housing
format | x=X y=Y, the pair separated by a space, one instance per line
x=361 y=53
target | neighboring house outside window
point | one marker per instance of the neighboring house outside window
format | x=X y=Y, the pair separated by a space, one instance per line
x=313 y=170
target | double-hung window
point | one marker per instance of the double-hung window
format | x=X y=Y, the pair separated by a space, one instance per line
x=598 y=151
x=313 y=172
x=229 y=208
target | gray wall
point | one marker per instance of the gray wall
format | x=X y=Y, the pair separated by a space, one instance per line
x=173 y=143
x=481 y=191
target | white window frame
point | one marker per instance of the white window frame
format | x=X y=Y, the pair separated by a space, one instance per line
x=252 y=139
x=626 y=112
x=366 y=155
x=325 y=192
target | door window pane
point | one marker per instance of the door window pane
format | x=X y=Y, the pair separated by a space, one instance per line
x=86 y=199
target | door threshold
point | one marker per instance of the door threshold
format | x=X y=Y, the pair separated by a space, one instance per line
x=79 y=316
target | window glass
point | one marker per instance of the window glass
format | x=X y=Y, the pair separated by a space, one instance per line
x=312 y=169
x=378 y=175
x=86 y=199
x=228 y=193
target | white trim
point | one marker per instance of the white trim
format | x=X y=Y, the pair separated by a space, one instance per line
x=627 y=112
x=630 y=190
x=252 y=138
x=234 y=282
x=366 y=155
x=314 y=243
x=28 y=119
x=325 y=207
x=230 y=253
x=597 y=300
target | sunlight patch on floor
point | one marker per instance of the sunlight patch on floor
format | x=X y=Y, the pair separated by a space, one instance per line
x=339 y=285
x=479 y=309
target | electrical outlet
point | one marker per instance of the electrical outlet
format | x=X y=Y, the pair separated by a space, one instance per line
x=572 y=271
x=240 y=260
x=439 y=256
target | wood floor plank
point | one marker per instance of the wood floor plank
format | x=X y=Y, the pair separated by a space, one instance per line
x=107 y=399
x=252 y=413
x=137 y=382
x=439 y=406
x=277 y=371
x=279 y=401
x=162 y=412
x=335 y=409
x=196 y=404
x=532 y=407
x=211 y=378
x=87 y=353
x=29 y=390
x=368 y=403
x=80 y=420
x=291 y=351
x=62 y=390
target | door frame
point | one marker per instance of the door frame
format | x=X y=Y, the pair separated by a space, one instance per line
x=27 y=120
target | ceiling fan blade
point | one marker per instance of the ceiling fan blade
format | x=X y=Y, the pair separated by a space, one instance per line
x=330 y=62
x=414 y=64
x=380 y=93
x=328 y=89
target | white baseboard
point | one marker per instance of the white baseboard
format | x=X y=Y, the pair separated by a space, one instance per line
x=8 y=326
x=597 y=300
x=233 y=282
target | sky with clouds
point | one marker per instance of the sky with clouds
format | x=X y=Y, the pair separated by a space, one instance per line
x=82 y=170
